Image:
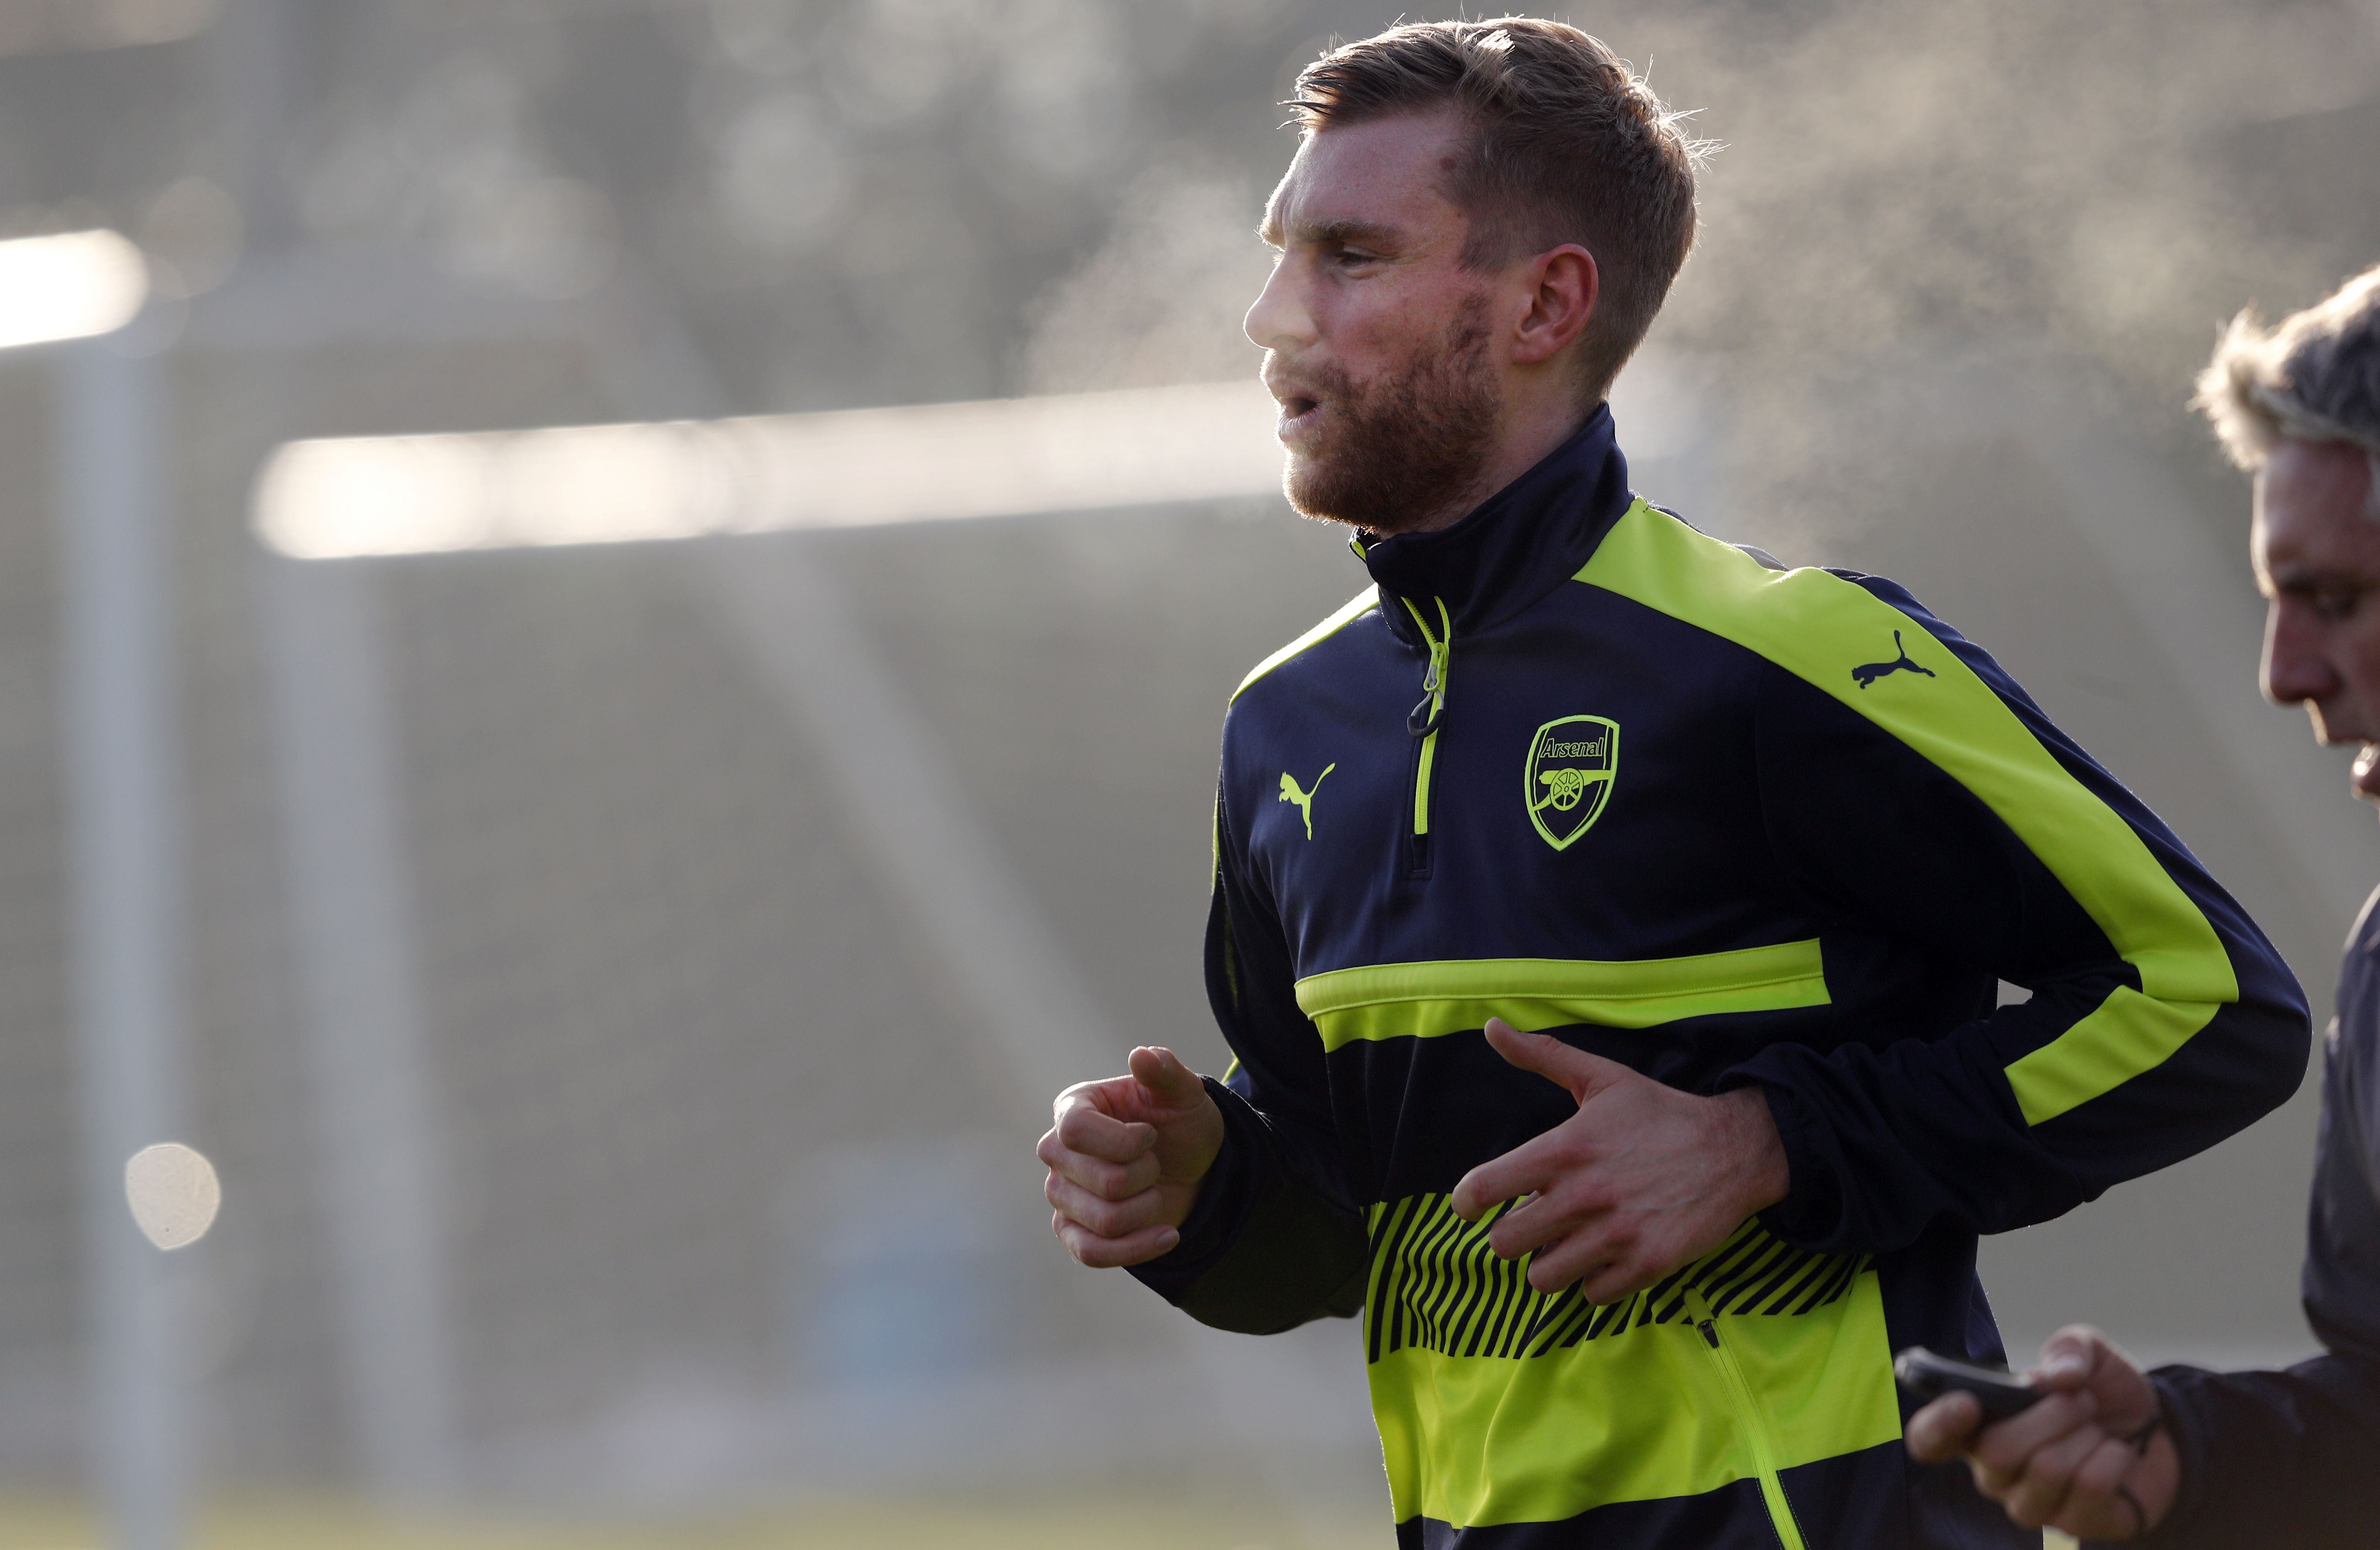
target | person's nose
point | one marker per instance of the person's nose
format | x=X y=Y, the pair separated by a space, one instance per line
x=2296 y=668
x=1280 y=319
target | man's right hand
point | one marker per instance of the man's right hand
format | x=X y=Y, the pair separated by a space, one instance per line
x=1126 y=1157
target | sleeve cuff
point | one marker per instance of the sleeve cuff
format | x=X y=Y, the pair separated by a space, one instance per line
x=1812 y=1211
x=1225 y=1196
x=2182 y=1422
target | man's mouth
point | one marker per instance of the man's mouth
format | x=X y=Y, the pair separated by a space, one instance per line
x=1299 y=416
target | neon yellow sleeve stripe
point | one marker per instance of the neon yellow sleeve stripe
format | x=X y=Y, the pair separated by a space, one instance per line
x=1356 y=607
x=1427 y=1000
x=1820 y=627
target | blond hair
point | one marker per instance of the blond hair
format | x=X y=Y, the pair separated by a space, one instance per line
x=2313 y=377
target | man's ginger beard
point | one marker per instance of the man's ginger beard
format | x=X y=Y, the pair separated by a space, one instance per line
x=1399 y=448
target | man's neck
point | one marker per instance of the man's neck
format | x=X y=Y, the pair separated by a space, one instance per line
x=1521 y=445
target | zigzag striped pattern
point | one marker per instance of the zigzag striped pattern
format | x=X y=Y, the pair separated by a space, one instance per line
x=1437 y=1285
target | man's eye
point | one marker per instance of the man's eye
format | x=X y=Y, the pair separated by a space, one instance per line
x=2336 y=603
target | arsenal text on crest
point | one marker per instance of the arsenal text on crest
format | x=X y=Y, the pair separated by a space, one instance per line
x=1573 y=762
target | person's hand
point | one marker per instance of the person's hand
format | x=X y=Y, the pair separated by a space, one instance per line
x=2092 y=1459
x=1126 y=1157
x=1641 y=1179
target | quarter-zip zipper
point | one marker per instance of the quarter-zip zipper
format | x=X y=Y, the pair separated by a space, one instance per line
x=1751 y=1418
x=1423 y=722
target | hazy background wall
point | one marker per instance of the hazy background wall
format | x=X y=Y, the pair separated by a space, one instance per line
x=737 y=1198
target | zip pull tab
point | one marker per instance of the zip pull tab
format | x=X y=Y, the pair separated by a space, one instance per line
x=1423 y=719
x=1698 y=1309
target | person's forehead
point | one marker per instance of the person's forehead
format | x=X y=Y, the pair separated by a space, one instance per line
x=2312 y=506
x=1382 y=172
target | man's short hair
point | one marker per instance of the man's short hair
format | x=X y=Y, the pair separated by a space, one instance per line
x=2315 y=377
x=1568 y=145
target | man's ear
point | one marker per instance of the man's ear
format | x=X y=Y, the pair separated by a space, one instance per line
x=1564 y=286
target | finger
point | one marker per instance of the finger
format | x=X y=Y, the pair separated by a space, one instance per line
x=1990 y=1483
x=1109 y=1219
x=1597 y=1259
x=2099 y=1475
x=1568 y=1262
x=1608 y=1280
x=1106 y=1253
x=1942 y=1429
x=2004 y=1448
x=1530 y=1167
x=1582 y=1074
x=1545 y=1218
x=1082 y=1128
x=1104 y=1095
x=2092 y=1508
x=2126 y=1399
x=2050 y=1477
x=2068 y=1358
x=1173 y=1084
x=1110 y=1181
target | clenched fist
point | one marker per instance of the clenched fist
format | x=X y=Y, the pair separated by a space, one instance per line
x=1126 y=1157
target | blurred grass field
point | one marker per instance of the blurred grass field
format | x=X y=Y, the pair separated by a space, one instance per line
x=1218 y=1520
x=1091 y=1523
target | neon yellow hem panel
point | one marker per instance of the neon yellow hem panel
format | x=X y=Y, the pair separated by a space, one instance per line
x=1356 y=607
x=1819 y=627
x=1630 y=1405
x=1426 y=1000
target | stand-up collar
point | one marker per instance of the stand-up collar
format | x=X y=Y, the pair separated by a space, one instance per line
x=1517 y=546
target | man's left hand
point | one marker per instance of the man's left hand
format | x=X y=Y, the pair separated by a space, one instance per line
x=1641 y=1179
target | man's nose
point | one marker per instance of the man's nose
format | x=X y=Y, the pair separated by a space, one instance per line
x=1280 y=319
x=2295 y=667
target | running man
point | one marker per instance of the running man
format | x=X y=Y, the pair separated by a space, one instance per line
x=1616 y=1026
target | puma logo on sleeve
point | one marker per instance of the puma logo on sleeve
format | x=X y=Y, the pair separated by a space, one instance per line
x=1869 y=672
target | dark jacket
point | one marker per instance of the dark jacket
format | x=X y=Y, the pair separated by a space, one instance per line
x=1576 y=765
x=2293 y=1458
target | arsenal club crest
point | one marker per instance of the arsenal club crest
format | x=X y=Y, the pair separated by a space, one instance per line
x=1573 y=765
